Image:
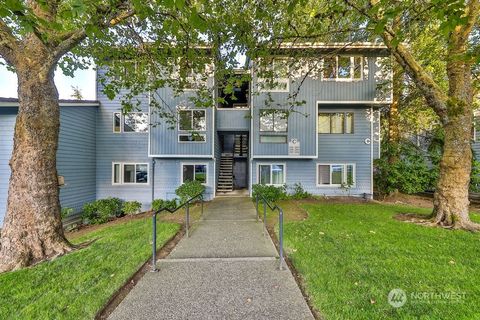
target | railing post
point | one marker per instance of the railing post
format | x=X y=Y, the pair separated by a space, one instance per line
x=256 y=199
x=280 y=236
x=264 y=216
x=154 y=242
x=187 y=218
x=202 y=205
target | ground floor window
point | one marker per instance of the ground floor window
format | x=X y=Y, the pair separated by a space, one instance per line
x=129 y=173
x=273 y=174
x=194 y=172
x=336 y=174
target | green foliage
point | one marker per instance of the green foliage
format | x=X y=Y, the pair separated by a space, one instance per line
x=158 y=204
x=269 y=192
x=297 y=192
x=475 y=176
x=65 y=212
x=189 y=189
x=131 y=207
x=102 y=210
x=409 y=174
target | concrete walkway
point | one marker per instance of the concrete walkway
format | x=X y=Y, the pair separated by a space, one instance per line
x=227 y=269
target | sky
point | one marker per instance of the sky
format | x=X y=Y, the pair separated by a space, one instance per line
x=84 y=79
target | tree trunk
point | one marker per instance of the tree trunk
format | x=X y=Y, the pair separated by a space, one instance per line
x=394 y=116
x=451 y=204
x=33 y=229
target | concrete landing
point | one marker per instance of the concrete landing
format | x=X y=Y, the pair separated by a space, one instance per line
x=227 y=269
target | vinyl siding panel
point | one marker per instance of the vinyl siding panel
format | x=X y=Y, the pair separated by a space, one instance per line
x=131 y=147
x=164 y=135
x=7 y=125
x=168 y=177
x=232 y=120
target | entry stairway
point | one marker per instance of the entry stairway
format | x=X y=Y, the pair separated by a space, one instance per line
x=225 y=177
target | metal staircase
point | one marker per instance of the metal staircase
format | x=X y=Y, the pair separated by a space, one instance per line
x=225 y=178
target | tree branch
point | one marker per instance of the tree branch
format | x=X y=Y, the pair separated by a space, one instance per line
x=8 y=43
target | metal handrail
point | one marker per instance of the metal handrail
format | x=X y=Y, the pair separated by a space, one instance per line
x=186 y=204
x=280 y=223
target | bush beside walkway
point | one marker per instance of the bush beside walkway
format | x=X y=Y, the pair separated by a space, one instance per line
x=77 y=285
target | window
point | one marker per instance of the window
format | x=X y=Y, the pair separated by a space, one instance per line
x=271 y=174
x=275 y=77
x=192 y=137
x=194 y=172
x=129 y=173
x=273 y=139
x=338 y=122
x=342 y=68
x=132 y=122
x=335 y=175
x=189 y=120
x=273 y=121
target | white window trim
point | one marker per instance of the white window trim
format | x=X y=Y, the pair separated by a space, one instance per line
x=193 y=164
x=191 y=109
x=189 y=134
x=344 y=175
x=122 y=122
x=352 y=69
x=284 y=164
x=122 y=164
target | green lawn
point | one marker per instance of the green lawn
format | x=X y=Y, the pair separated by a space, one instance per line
x=77 y=285
x=352 y=255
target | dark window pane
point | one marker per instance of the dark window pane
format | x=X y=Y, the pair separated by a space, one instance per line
x=201 y=173
x=185 y=119
x=330 y=68
x=116 y=122
x=264 y=174
x=344 y=71
x=199 y=121
x=142 y=173
x=337 y=174
x=324 y=174
x=188 y=173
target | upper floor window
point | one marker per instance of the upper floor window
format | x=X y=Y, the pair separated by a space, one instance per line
x=273 y=120
x=336 y=175
x=130 y=122
x=129 y=173
x=338 y=122
x=342 y=68
x=274 y=77
x=192 y=120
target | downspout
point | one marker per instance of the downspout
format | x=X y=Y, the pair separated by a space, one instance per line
x=372 y=118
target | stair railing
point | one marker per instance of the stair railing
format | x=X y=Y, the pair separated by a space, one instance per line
x=272 y=207
x=186 y=204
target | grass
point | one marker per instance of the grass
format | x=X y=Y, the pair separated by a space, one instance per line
x=351 y=255
x=77 y=285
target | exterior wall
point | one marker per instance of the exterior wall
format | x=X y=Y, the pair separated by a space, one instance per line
x=164 y=138
x=333 y=149
x=232 y=119
x=302 y=122
x=168 y=177
x=75 y=156
x=131 y=147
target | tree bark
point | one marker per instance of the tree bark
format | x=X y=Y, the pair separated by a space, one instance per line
x=451 y=204
x=33 y=229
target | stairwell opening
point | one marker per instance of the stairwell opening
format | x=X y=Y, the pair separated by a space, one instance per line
x=233 y=164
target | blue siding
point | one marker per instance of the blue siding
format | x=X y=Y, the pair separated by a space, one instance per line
x=168 y=177
x=232 y=119
x=333 y=149
x=75 y=156
x=119 y=147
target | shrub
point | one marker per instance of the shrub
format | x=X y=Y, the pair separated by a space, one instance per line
x=158 y=204
x=271 y=193
x=100 y=211
x=297 y=192
x=189 y=189
x=131 y=207
x=65 y=212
